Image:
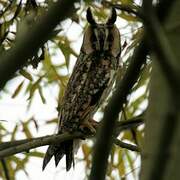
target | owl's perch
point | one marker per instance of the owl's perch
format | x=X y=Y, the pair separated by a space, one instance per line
x=14 y=147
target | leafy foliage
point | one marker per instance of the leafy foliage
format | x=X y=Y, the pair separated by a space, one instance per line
x=52 y=67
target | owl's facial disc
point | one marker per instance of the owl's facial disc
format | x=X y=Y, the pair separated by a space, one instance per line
x=101 y=37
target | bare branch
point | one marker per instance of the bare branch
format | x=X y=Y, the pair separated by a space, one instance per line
x=126 y=145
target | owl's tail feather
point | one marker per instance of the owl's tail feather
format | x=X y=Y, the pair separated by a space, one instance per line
x=58 y=151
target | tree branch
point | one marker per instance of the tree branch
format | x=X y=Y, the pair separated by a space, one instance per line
x=126 y=145
x=37 y=142
x=158 y=159
x=13 y=147
x=161 y=46
x=135 y=10
x=102 y=148
x=128 y=124
x=29 y=41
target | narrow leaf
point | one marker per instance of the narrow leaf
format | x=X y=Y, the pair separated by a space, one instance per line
x=18 y=89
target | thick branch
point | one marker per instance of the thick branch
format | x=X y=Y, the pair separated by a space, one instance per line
x=29 y=41
x=102 y=148
x=158 y=159
x=161 y=47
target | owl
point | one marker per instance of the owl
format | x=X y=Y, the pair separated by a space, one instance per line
x=90 y=83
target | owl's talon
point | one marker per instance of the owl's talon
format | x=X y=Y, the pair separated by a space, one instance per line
x=88 y=127
x=94 y=123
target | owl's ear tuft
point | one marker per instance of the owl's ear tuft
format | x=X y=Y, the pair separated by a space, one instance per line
x=112 y=18
x=89 y=17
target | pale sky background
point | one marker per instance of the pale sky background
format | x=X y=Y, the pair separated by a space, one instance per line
x=14 y=110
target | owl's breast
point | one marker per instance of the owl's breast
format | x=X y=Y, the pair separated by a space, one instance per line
x=89 y=84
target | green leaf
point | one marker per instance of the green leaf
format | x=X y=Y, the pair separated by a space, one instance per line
x=52 y=121
x=26 y=74
x=18 y=90
x=64 y=45
x=86 y=150
x=14 y=133
x=36 y=154
x=34 y=87
x=130 y=162
x=26 y=129
x=128 y=17
x=121 y=166
x=41 y=95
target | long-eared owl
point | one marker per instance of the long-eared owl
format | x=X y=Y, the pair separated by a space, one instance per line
x=90 y=83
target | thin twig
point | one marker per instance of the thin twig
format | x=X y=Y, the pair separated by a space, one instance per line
x=126 y=145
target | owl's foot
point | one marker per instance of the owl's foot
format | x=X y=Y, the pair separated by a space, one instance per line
x=94 y=123
x=89 y=127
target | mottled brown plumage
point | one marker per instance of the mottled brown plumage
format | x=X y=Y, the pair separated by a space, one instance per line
x=89 y=84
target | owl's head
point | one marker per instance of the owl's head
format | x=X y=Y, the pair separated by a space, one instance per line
x=102 y=37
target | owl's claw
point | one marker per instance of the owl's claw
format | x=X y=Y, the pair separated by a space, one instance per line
x=89 y=127
x=94 y=123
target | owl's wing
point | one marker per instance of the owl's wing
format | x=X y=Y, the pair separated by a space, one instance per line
x=91 y=77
